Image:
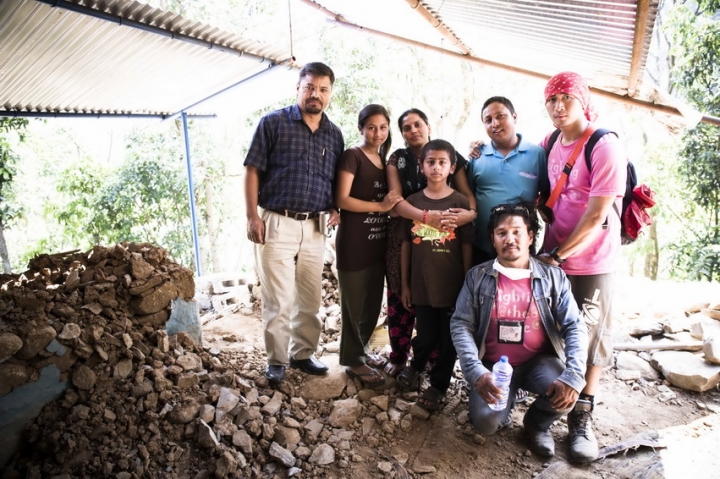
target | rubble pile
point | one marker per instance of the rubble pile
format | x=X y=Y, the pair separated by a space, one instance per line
x=142 y=403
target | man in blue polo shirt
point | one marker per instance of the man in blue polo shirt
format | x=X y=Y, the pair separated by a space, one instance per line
x=289 y=175
x=507 y=170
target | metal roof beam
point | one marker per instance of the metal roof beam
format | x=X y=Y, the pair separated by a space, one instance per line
x=109 y=17
x=69 y=114
x=438 y=25
x=289 y=61
x=713 y=120
x=641 y=18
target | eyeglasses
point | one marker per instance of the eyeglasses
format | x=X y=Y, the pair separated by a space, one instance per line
x=517 y=209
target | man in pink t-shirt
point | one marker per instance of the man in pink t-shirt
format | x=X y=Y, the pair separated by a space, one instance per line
x=584 y=237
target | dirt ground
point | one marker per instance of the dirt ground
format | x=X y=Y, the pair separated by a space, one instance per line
x=688 y=426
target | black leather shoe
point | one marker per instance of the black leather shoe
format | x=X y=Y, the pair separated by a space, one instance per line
x=541 y=442
x=309 y=365
x=275 y=374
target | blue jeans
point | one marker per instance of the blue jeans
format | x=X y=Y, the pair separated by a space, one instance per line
x=534 y=376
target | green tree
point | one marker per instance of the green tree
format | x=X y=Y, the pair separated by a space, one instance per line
x=146 y=198
x=9 y=210
x=695 y=36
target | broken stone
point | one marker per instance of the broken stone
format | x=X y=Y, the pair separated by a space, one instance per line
x=9 y=345
x=628 y=361
x=70 y=331
x=368 y=424
x=190 y=362
x=712 y=313
x=226 y=466
x=686 y=370
x=332 y=324
x=140 y=269
x=285 y=457
x=344 y=412
x=711 y=348
x=322 y=454
x=286 y=436
x=159 y=299
x=35 y=341
x=385 y=467
x=226 y=402
x=206 y=437
x=123 y=368
x=420 y=469
x=273 y=407
x=381 y=402
x=12 y=375
x=84 y=378
x=314 y=427
x=418 y=412
x=184 y=413
x=242 y=440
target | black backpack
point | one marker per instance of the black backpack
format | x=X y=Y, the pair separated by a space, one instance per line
x=630 y=182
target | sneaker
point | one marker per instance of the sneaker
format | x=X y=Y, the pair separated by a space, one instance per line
x=583 y=445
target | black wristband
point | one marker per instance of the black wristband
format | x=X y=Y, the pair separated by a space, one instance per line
x=554 y=255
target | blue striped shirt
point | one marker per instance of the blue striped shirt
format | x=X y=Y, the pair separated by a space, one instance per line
x=296 y=165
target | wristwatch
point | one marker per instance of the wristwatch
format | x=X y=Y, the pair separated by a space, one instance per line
x=554 y=255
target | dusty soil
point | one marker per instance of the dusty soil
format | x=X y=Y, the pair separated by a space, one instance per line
x=445 y=447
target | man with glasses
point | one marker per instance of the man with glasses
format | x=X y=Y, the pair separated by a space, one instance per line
x=522 y=308
x=289 y=175
x=584 y=236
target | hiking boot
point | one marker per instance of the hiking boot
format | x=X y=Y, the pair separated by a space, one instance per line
x=583 y=445
x=541 y=442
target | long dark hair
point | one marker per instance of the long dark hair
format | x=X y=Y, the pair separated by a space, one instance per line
x=372 y=110
x=419 y=113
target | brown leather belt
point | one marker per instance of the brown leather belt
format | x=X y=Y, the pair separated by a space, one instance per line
x=296 y=215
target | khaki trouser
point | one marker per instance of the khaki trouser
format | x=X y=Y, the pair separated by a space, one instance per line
x=290 y=265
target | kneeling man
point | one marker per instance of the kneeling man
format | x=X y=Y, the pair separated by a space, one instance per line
x=521 y=308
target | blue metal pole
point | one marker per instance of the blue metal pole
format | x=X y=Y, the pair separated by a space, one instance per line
x=196 y=243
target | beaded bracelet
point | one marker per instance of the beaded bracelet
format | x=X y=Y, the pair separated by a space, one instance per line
x=424 y=218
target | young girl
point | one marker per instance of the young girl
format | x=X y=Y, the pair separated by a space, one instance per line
x=404 y=174
x=361 y=194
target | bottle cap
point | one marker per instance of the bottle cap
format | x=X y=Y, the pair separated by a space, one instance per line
x=503 y=359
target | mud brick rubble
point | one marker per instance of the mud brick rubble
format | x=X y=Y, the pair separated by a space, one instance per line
x=141 y=403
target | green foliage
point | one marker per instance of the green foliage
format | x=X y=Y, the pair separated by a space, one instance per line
x=696 y=75
x=696 y=53
x=144 y=199
x=8 y=168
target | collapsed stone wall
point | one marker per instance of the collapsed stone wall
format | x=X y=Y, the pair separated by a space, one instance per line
x=97 y=318
x=97 y=308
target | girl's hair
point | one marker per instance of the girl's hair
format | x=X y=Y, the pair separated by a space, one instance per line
x=419 y=113
x=372 y=110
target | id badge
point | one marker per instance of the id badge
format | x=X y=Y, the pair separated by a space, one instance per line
x=511 y=332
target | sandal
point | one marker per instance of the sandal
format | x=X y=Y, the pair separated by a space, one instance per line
x=430 y=399
x=408 y=379
x=374 y=360
x=364 y=378
x=521 y=396
x=393 y=369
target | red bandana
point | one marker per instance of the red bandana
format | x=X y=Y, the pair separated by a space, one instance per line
x=575 y=85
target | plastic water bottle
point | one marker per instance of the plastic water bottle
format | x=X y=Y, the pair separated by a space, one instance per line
x=501 y=376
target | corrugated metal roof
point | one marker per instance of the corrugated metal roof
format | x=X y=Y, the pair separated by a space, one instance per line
x=57 y=60
x=593 y=37
x=596 y=38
